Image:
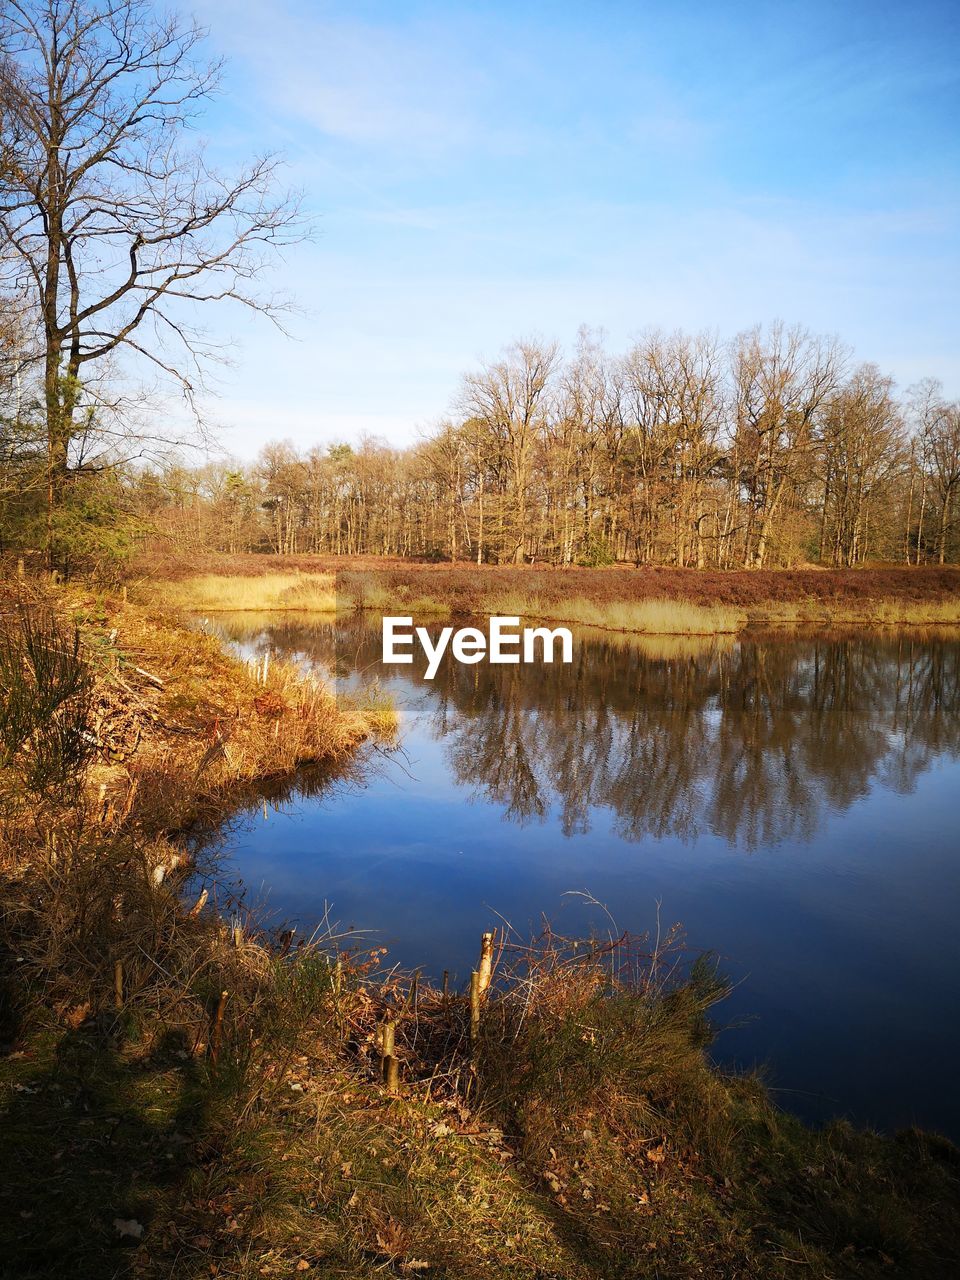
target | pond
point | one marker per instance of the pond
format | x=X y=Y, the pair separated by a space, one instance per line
x=790 y=799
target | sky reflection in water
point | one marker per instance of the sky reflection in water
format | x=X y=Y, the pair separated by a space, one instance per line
x=791 y=800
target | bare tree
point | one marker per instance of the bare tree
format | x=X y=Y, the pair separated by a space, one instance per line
x=510 y=398
x=861 y=454
x=111 y=227
x=782 y=379
x=665 y=455
x=939 y=422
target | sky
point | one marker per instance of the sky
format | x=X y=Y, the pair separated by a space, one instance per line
x=476 y=173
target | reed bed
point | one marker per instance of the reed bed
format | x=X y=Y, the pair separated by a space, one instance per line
x=662 y=601
x=644 y=617
x=646 y=601
x=267 y=592
x=868 y=611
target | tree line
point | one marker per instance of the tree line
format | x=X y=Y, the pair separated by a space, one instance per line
x=116 y=231
x=770 y=449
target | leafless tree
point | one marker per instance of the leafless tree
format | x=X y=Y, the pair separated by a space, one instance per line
x=939 y=428
x=782 y=379
x=510 y=398
x=112 y=226
x=861 y=453
x=669 y=454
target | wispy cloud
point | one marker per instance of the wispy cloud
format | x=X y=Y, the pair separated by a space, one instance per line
x=357 y=82
x=483 y=172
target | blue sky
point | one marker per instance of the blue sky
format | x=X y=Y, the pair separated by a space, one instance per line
x=478 y=173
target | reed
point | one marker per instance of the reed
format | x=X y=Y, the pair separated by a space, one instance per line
x=645 y=617
x=268 y=592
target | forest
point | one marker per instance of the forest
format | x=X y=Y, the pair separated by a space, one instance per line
x=770 y=450
x=770 y=447
x=773 y=448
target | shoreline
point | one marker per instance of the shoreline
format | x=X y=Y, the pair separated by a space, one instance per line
x=645 y=602
x=259 y=1067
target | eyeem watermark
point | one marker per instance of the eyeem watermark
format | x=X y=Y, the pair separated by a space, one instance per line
x=504 y=641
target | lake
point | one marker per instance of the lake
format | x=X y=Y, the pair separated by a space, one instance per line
x=790 y=799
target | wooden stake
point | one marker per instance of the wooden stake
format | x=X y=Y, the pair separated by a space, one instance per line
x=118 y=983
x=485 y=968
x=391 y=1074
x=200 y=903
x=218 y=1025
x=474 y=1007
x=388 y=1033
x=131 y=796
x=389 y=1066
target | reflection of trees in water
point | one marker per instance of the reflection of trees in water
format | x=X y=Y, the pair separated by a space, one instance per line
x=752 y=741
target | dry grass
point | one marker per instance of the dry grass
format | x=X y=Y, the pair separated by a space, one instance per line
x=314 y=592
x=869 y=611
x=216 y=726
x=583 y=1130
x=228 y=1102
x=664 y=601
x=182 y=727
x=363 y=591
x=645 y=617
x=646 y=601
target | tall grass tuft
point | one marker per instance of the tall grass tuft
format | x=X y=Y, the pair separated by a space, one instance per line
x=269 y=592
x=45 y=700
x=646 y=617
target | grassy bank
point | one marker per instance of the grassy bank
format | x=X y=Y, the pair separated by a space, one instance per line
x=651 y=601
x=185 y=1093
x=668 y=601
x=266 y=592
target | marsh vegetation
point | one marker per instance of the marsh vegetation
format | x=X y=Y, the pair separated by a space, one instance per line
x=187 y=1088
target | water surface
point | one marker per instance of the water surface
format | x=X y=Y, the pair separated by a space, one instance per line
x=791 y=800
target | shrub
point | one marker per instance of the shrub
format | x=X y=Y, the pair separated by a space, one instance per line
x=45 y=701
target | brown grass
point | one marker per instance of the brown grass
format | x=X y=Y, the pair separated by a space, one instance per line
x=266 y=592
x=602 y=597
x=646 y=617
x=228 y=1102
x=217 y=724
x=667 y=602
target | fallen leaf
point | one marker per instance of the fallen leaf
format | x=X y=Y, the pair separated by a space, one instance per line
x=75 y=1017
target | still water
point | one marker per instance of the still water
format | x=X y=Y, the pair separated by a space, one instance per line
x=791 y=800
